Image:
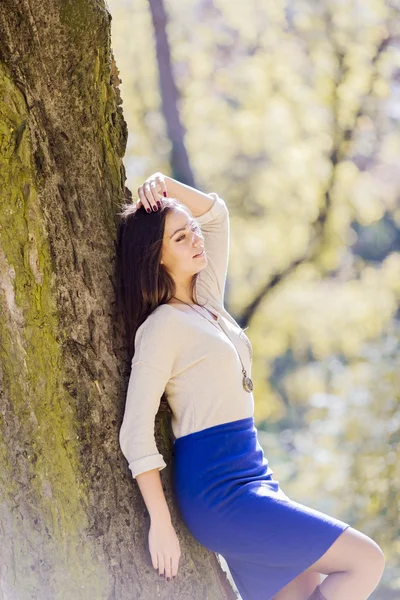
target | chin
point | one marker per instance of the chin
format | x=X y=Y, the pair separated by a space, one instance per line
x=202 y=263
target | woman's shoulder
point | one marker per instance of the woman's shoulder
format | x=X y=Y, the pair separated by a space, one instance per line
x=159 y=328
x=163 y=315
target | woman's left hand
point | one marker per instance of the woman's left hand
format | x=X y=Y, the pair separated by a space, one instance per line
x=147 y=192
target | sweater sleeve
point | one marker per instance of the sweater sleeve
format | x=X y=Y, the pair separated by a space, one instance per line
x=215 y=227
x=151 y=369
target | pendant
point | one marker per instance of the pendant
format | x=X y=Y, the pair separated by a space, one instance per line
x=247 y=382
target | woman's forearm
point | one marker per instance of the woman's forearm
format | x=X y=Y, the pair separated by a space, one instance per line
x=152 y=491
x=197 y=202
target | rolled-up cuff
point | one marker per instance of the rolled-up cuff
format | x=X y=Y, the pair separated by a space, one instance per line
x=154 y=461
x=219 y=206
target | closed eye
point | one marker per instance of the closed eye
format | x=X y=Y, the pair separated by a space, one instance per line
x=194 y=227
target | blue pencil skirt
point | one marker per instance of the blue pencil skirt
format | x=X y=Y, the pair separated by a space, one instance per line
x=232 y=505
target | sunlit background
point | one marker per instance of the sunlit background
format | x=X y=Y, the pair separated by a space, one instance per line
x=290 y=111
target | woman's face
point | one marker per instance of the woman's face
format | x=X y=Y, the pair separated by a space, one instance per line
x=182 y=240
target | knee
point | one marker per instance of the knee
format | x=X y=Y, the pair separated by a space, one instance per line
x=374 y=563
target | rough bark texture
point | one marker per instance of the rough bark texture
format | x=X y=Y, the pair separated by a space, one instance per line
x=73 y=524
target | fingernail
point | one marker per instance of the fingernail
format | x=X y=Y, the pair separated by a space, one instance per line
x=165 y=193
x=154 y=207
x=159 y=204
x=148 y=209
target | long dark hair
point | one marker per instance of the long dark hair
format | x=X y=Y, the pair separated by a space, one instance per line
x=143 y=283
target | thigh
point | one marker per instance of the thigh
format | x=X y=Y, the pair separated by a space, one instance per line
x=301 y=587
x=351 y=551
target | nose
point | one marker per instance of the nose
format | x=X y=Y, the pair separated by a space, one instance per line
x=196 y=238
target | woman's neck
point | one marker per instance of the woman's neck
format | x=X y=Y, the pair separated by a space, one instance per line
x=177 y=298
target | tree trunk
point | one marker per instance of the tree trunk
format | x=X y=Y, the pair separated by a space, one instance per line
x=73 y=525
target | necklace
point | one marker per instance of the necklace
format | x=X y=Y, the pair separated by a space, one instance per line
x=247 y=382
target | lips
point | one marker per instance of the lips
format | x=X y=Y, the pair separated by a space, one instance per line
x=199 y=254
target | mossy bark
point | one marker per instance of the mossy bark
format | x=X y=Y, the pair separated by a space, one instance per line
x=73 y=524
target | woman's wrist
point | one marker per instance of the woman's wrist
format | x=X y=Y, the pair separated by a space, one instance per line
x=152 y=491
x=196 y=201
x=160 y=515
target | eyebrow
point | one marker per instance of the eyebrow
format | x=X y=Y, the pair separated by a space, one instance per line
x=182 y=228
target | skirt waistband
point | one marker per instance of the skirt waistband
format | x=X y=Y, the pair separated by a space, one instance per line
x=230 y=427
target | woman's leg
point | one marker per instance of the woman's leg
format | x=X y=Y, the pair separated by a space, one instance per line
x=354 y=565
x=300 y=588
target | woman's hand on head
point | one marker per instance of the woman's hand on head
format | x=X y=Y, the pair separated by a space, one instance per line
x=149 y=191
x=164 y=548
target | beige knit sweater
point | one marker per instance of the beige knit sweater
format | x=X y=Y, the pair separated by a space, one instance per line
x=188 y=356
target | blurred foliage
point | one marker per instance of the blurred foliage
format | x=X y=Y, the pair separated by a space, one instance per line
x=291 y=111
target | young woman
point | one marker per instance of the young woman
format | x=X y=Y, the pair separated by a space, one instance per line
x=172 y=267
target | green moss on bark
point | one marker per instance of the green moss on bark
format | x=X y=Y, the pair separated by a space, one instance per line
x=39 y=447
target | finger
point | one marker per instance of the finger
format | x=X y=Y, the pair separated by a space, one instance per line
x=153 y=190
x=163 y=186
x=161 y=566
x=168 y=568
x=154 y=561
x=143 y=199
x=174 y=565
x=149 y=194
